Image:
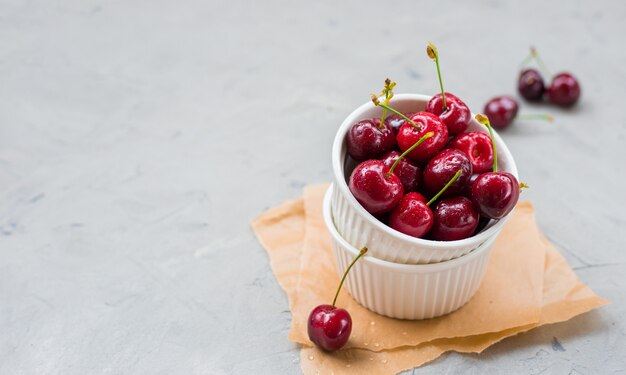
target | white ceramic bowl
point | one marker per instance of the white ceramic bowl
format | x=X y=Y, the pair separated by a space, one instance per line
x=408 y=291
x=360 y=228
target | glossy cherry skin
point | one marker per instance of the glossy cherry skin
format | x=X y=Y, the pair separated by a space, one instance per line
x=495 y=194
x=564 y=90
x=376 y=192
x=457 y=116
x=443 y=167
x=329 y=327
x=501 y=111
x=454 y=219
x=366 y=140
x=412 y=216
x=530 y=85
x=409 y=134
x=478 y=148
x=409 y=173
x=396 y=121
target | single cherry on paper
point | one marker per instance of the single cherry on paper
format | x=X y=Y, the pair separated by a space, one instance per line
x=494 y=193
x=328 y=326
x=454 y=113
x=413 y=215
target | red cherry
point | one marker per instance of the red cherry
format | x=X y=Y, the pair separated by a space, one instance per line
x=368 y=140
x=412 y=216
x=441 y=168
x=477 y=147
x=329 y=327
x=409 y=134
x=454 y=219
x=457 y=115
x=495 y=194
x=564 y=90
x=501 y=111
x=370 y=185
x=396 y=121
x=530 y=85
x=409 y=173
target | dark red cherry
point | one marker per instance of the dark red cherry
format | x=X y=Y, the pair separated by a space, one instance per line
x=370 y=185
x=409 y=134
x=329 y=327
x=564 y=90
x=396 y=121
x=495 y=194
x=412 y=216
x=409 y=173
x=457 y=116
x=530 y=84
x=477 y=147
x=454 y=219
x=441 y=168
x=367 y=140
x=501 y=111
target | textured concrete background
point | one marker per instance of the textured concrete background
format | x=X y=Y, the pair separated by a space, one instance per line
x=139 y=138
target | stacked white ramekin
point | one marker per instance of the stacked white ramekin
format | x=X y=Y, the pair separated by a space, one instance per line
x=402 y=276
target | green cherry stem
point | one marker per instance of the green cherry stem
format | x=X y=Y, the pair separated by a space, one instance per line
x=384 y=106
x=361 y=253
x=535 y=116
x=535 y=55
x=408 y=150
x=485 y=121
x=443 y=190
x=431 y=50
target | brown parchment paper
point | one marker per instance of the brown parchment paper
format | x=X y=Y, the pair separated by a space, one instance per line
x=509 y=296
x=281 y=231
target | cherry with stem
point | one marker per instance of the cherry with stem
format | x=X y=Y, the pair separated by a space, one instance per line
x=329 y=327
x=494 y=193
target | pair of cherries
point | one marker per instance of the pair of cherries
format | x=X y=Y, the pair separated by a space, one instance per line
x=563 y=91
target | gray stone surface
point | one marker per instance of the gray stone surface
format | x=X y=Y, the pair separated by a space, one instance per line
x=139 y=138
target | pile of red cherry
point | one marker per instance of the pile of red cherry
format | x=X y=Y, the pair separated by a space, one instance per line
x=404 y=161
x=409 y=161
